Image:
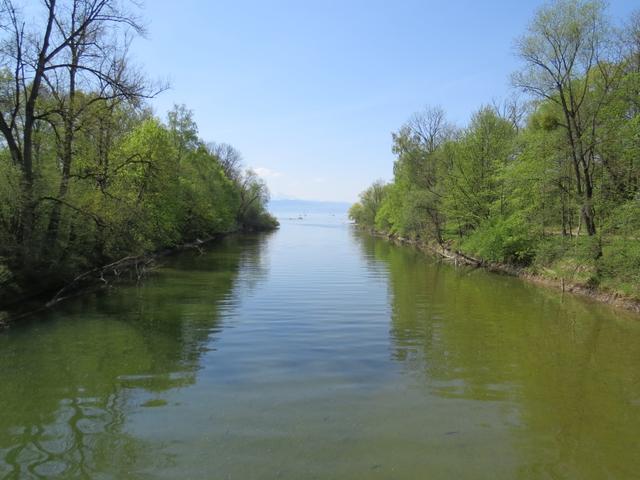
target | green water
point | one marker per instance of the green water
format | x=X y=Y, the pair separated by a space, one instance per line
x=318 y=352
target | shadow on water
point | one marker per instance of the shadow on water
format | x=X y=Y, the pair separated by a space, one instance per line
x=564 y=371
x=71 y=381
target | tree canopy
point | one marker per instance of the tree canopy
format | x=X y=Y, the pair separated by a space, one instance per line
x=87 y=173
x=549 y=181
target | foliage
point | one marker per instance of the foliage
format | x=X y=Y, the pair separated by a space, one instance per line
x=365 y=211
x=503 y=240
x=553 y=183
x=87 y=174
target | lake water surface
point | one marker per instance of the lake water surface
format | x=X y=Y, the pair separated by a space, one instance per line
x=320 y=352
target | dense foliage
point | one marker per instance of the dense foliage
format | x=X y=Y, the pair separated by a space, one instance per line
x=551 y=183
x=87 y=173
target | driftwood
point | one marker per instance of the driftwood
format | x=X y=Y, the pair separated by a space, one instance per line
x=457 y=256
x=137 y=265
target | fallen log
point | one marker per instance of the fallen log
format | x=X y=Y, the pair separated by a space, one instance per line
x=139 y=265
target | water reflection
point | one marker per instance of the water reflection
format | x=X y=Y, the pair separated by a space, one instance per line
x=69 y=383
x=321 y=353
x=566 y=371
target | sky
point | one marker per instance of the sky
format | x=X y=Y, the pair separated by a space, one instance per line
x=310 y=91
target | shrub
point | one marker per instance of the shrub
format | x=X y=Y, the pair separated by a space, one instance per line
x=503 y=240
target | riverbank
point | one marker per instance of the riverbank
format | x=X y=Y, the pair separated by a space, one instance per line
x=563 y=284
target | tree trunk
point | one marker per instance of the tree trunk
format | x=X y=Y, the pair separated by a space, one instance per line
x=28 y=207
x=588 y=212
x=67 y=154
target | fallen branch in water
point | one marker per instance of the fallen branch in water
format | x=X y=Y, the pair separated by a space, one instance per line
x=99 y=277
x=139 y=264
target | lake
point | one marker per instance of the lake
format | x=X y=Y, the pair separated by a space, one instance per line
x=320 y=352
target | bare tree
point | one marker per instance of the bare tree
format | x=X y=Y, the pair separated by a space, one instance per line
x=229 y=158
x=430 y=127
x=512 y=109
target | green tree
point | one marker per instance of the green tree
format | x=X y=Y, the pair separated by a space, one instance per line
x=568 y=58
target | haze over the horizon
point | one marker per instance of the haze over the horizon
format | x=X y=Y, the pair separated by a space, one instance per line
x=310 y=92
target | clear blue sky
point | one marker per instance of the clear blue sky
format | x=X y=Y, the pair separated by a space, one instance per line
x=310 y=91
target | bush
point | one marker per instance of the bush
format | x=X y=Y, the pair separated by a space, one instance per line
x=551 y=249
x=257 y=219
x=503 y=240
x=621 y=261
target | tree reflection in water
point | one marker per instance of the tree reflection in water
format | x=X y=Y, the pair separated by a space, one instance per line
x=71 y=382
x=563 y=370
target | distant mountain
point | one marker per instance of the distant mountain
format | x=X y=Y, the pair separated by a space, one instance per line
x=301 y=207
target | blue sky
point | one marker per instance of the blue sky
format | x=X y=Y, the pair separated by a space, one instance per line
x=310 y=91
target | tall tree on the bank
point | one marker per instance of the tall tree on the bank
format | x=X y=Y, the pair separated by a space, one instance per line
x=80 y=44
x=413 y=203
x=568 y=61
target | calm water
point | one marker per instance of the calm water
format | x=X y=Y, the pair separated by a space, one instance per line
x=318 y=352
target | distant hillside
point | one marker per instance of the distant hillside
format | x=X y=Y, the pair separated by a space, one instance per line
x=299 y=207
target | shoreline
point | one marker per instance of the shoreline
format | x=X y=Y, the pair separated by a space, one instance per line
x=563 y=285
x=129 y=268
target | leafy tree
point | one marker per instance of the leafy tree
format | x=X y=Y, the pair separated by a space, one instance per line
x=88 y=174
x=370 y=202
x=567 y=51
x=551 y=183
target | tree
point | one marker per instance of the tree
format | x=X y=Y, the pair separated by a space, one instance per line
x=412 y=205
x=184 y=130
x=568 y=57
x=229 y=158
x=429 y=128
x=370 y=202
x=254 y=196
x=76 y=46
x=474 y=187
